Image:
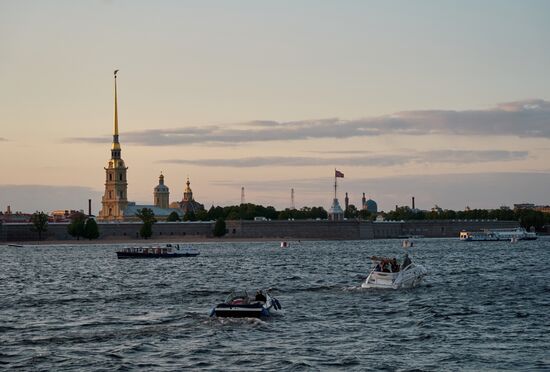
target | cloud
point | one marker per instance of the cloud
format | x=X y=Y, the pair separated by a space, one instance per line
x=529 y=118
x=439 y=156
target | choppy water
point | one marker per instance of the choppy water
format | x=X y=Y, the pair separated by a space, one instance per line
x=483 y=306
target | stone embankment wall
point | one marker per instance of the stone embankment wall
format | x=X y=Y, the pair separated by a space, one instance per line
x=298 y=229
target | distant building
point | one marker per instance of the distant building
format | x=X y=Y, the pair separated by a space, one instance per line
x=542 y=208
x=63 y=215
x=114 y=200
x=188 y=203
x=9 y=216
x=369 y=205
x=335 y=212
x=115 y=205
x=524 y=206
x=161 y=194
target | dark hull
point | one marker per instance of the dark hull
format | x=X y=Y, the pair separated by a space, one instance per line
x=240 y=311
x=154 y=255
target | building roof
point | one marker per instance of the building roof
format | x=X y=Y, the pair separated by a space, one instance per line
x=132 y=209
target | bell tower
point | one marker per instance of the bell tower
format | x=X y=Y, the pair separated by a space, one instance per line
x=114 y=201
x=161 y=194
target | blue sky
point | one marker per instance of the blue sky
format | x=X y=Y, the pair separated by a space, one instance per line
x=295 y=86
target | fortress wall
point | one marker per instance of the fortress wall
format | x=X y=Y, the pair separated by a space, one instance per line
x=451 y=228
x=298 y=229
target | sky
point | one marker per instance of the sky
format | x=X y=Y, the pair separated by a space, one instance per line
x=447 y=101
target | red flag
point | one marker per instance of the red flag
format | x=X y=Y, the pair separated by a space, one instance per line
x=338 y=174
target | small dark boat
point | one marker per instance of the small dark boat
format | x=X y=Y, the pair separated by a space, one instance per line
x=164 y=251
x=240 y=305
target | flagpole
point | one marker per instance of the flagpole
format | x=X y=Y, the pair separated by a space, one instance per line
x=335 y=179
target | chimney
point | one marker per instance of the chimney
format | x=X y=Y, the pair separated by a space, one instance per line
x=413 y=202
x=89 y=207
x=396 y=207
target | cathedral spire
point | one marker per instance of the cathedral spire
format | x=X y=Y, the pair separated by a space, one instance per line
x=115 y=150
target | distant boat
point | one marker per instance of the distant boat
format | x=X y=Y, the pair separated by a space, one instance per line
x=518 y=233
x=15 y=245
x=285 y=245
x=160 y=251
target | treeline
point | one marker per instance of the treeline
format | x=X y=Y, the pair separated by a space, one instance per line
x=249 y=211
x=526 y=217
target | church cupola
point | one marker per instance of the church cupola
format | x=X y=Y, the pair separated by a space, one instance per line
x=188 y=193
x=161 y=194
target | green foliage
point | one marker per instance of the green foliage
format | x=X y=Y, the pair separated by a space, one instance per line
x=219 y=228
x=305 y=213
x=148 y=217
x=189 y=216
x=351 y=212
x=76 y=227
x=40 y=223
x=174 y=216
x=202 y=215
x=364 y=214
x=146 y=230
x=527 y=217
x=91 y=230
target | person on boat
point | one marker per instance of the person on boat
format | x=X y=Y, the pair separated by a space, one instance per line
x=385 y=265
x=394 y=265
x=260 y=296
x=406 y=261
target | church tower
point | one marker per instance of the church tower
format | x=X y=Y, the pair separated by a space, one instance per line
x=161 y=194
x=114 y=201
x=188 y=193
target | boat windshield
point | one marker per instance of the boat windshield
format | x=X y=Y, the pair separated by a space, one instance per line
x=234 y=295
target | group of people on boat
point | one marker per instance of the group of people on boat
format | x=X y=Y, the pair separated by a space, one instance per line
x=390 y=265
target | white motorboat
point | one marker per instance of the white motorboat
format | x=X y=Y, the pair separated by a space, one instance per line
x=388 y=275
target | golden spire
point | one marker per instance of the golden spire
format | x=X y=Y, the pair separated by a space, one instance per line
x=116 y=144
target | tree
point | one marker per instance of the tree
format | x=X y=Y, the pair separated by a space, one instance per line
x=148 y=217
x=40 y=223
x=219 y=227
x=351 y=212
x=146 y=230
x=202 y=215
x=91 y=230
x=173 y=217
x=189 y=216
x=76 y=227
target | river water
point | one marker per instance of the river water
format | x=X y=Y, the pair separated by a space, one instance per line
x=483 y=306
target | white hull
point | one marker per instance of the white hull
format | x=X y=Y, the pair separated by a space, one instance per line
x=497 y=235
x=410 y=277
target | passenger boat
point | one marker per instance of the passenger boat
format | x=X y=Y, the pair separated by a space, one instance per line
x=241 y=305
x=518 y=233
x=158 y=251
x=407 y=275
